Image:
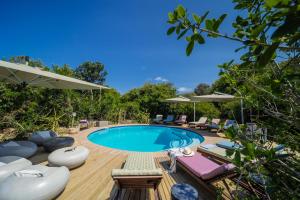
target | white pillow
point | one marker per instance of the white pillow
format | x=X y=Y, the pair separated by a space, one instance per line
x=11 y=144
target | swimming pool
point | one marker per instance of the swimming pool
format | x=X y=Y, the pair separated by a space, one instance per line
x=145 y=138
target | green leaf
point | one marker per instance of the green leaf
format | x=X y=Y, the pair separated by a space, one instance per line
x=171 y=16
x=200 y=39
x=271 y=3
x=237 y=158
x=229 y=152
x=189 y=48
x=182 y=34
x=250 y=148
x=255 y=32
x=204 y=16
x=178 y=29
x=209 y=25
x=181 y=11
x=171 y=30
x=197 y=18
x=267 y=55
x=221 y=18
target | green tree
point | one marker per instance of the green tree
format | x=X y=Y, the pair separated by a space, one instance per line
x=93 y=72
x=202 y=89
x=268 y=31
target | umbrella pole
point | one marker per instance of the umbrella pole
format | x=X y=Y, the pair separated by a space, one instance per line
x=194 y=111
x=242 y=112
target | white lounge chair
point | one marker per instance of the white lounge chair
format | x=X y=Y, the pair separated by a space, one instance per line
x=202 y=121
x=158 y=119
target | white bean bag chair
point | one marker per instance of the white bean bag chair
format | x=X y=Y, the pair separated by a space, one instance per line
x=10 y=164
x=70 y=157
x=39 y=137
x=37 y=182
x=23 y=149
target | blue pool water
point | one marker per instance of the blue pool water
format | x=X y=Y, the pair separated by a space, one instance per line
x=145 y=138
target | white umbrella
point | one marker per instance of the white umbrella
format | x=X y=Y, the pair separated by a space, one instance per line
x=182 y=99
x=219 y=97
x=19 y=73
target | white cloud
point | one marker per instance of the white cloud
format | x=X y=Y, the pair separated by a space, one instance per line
x=184 y=90
x=160 y=79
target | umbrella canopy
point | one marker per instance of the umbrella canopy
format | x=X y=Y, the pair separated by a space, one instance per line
x=182 y=99
x=178 y=99
x=19 y=73
x=216 y=97
x=220 y=97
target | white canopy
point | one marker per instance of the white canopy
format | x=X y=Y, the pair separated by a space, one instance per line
x=178 y=99
x=182 y=99
x=216 y=97
x=19 y=73
x=220 y=97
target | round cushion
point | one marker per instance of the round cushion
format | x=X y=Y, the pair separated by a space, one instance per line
x=39 y=137
x=23 y=149
x=44 y=187
x=70 y=157
x=58 y=143
x=184 y=191
x=10 y=164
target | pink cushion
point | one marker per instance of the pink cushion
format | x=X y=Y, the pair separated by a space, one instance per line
x=203 y=167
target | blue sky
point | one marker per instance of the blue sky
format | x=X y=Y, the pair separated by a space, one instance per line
x=129 y=37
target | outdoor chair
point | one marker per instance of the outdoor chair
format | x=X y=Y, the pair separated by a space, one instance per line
x=215 y=124
x=10 y=164
x=181 y=120
x=158 y=119
x=139 y=171
x=169 y=119
x=35 y=182
x=23 y=149
x=39 y=137
x=200 y=122
x=205 y=170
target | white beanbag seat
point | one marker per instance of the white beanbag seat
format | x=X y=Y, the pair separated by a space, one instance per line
x=39 y=137
x=10 y=164
x=70 y=157
x=23 y=149
x=36 y=182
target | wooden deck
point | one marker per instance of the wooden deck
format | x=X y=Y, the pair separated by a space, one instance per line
x=93 y=179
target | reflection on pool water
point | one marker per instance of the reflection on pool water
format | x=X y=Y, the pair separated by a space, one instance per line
x=145 y=138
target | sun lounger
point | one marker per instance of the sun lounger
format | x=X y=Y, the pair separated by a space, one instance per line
x=181 y=120
x=201 y=121
x=206 y=171
x=169 y=119
x=228 y=145
x=214 y=124
x=139 y=171
x=219 y=154
x=229 y=123
x=158 y=119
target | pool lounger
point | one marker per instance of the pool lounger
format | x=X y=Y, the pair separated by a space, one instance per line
x=139 y=171
x=228 y=145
